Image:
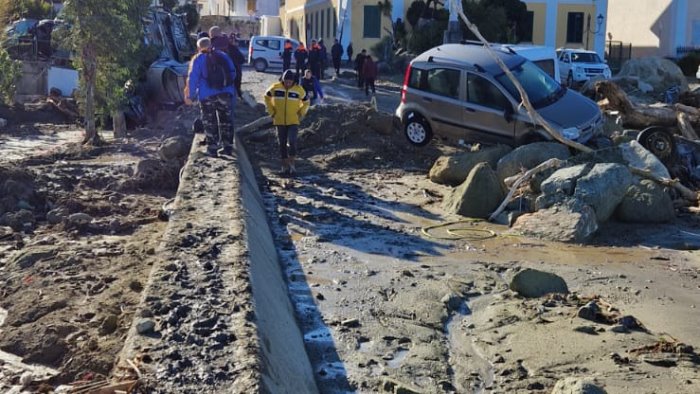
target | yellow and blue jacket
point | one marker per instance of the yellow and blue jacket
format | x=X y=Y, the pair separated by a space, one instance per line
x=286 y=106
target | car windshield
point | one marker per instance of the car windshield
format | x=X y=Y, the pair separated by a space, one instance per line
x=540 y=87
x=585 y=57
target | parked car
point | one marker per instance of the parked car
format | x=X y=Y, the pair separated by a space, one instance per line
x=577 y=66
x=697 y=74
x=459 y=91
x=545 y=57
x=266 y=51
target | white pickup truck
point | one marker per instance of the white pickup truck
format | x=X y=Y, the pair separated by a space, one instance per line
x=578 y=65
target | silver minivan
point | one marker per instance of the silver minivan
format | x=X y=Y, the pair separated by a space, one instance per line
x=459 y=91
x=266 y=51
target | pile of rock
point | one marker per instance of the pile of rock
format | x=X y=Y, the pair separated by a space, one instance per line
x=566 y=204
x=19 y=198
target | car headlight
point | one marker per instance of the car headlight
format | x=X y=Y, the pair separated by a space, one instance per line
x=571 y=133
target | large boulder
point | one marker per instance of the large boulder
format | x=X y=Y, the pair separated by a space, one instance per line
x=453 y=170
x=577 y=386
x=478 y=196
x=646 y=202
x=529 y=156
x=658 y=72
x=603 y=188
x=568 y=221
x=174 y=148
x=638 y=156
x=531 y=283
x=564 y=180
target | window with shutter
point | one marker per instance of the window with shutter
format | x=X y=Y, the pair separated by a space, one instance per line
x=372 y=22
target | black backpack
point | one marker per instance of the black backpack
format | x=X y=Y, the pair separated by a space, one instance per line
x=218 y=72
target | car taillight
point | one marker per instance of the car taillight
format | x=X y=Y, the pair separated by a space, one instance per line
x=405 y=83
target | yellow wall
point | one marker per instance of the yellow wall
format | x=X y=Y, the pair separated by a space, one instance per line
x=359 y=42
x=538 y=21
x=562 y=19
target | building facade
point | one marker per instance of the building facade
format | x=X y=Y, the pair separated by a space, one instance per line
x=577 y=24
x=358 y=22
x=238 y=8
x=665 y=28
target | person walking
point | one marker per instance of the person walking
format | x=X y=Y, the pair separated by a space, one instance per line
x=312 y=88
x=287 y=55
x=350 y=52
x=210 y=81
x=300 y=56
x=287 y=103
x=359 y=63
x=218 y=40
x=369 y=73
x=324 y=59
x=336 y=54
x=315 y=59
x=238 y=61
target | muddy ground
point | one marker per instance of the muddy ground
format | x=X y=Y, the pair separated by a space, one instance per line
x=78 y=232
x=386 y=306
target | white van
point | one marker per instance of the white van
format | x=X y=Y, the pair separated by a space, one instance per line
x=266 y=51
x=545 y=57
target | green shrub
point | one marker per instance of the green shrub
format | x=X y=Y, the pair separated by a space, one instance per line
x=10 y=71
x=689 y=63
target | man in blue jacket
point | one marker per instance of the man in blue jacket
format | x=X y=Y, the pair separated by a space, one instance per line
x=211 y=82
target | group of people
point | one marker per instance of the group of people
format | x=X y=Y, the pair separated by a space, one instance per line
x=214 y=80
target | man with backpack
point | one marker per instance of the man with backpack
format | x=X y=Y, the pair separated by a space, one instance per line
x=210 y=82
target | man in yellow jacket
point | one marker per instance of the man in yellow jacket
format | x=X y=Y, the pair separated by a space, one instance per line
x=287 y=103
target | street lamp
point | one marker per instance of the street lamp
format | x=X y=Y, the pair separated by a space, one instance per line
x=599 y=23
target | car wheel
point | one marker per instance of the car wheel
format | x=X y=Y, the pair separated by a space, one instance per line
x=570 y=80
x=260 y=65
x=659 y=142
x=417 y=131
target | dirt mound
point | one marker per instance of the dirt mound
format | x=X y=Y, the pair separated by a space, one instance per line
x=357 y=136
x=19 y=197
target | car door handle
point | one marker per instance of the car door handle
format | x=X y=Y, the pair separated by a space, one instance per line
x=427 y=99
x=470 y=109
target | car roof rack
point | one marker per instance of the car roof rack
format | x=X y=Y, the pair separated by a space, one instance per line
x=433 y=58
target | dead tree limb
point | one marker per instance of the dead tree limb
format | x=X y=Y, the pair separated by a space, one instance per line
x=674 y=183
x=641 y=116
x=551 y=163
x=685 y=127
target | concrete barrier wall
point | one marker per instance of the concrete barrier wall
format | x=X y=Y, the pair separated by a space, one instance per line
x=286 y=367
x=216 y=307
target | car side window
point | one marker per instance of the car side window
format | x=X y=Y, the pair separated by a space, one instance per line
x=415 y=78
x=481 y=91
x=443 y=82
x=273 y=44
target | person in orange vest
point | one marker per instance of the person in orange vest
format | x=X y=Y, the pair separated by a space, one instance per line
x=315 y=59
x=300 y=56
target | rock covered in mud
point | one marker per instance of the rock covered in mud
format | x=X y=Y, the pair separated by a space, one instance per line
x=603 y=188
x=18 y=220
x=646 y=202
x=658 y=72
x=577 y=386
x=29 y=257
x=638 y=156
x=569 y=221
x=453 y=170
x=174 y=148
x=57 y=215
x=79 y=219
x=478 y=196
x=532 y=283
x=529 y=156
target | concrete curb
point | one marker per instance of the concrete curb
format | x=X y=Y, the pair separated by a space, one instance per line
x=217 y=300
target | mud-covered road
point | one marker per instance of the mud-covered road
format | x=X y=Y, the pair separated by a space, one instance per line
x=386 y=305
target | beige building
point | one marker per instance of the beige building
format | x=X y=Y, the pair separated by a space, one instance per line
x=569 y=23
x=655 y=27
x=238 y=8
x=358 y=22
